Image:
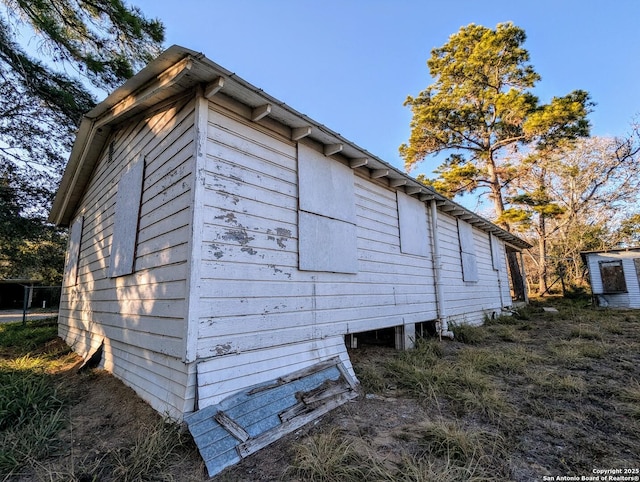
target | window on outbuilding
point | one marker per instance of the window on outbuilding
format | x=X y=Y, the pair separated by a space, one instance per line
x=612 y=276
x=467 y=251
x=327 y=216
x=636 y=262
x=125 y=225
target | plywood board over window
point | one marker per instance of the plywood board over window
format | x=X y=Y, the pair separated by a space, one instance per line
x=125 y=226
x=496 y=253
x=326 y=186
x=612 y=275
x=73 y=253
x=327 y=215
x=414 y=234
x=327 y=244
x=467 y=252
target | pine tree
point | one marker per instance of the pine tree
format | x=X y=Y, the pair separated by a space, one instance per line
x=480 y=107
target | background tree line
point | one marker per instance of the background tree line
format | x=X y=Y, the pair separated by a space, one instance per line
x=546 y=178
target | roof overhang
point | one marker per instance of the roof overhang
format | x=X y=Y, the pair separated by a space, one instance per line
x=632 y=250
x=177 y=70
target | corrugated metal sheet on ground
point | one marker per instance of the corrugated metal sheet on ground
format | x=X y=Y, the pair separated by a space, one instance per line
x=253 y=418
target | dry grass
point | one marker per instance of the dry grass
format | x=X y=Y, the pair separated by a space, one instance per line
x=522 y=397
x=38 y=392
x=526 y=396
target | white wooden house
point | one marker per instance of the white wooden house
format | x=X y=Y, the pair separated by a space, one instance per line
x=220 y=239
x=615 y=277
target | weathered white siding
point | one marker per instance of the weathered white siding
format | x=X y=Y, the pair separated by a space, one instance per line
x=209 y=252
x=470 y=301
x=140 y=317
x=630 y=299
x=222 y=376
x=253 y=296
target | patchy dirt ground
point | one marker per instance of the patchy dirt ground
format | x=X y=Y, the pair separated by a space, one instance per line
x=566 y=402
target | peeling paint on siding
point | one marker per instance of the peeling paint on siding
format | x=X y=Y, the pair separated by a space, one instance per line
x=281 y=236
x=277 y=271
x=238 y=235
x=223 y=349
x=229 y=218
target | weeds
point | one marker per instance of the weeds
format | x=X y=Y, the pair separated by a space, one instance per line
x=513 y=319
x=328 y=457
x=488 y=360
x=447 y=454
x=151 y=454
x=443 y=438
x=465 y=387
x=521 y=397
x=371 y=379
x=468 y=334
x=576 y=351
x=23 y=339
x=586 y=332
x=630 y=397
x=427 y=469
x=551 y=382
x=507 y=333
x=30 y=412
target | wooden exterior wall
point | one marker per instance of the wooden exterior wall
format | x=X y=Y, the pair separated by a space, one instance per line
x=218 y=296
x=139 y=317
x=630 y=263
x=470 y=302
x=256 y=304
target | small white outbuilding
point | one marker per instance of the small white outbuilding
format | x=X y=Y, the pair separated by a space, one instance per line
x=223 y=245
x=615 y=277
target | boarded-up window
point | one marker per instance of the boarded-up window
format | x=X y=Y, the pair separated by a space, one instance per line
x=612 y=276
x=327 y=216
x=412 y=217
x=467 y=252
x=73 y=252
x=496 y=253
x=322 y=236
x=326 y=187
x=125 y=226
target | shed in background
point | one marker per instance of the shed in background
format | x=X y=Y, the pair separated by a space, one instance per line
x=615 y=277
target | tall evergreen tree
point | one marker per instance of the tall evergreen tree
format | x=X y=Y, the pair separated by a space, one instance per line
x=480 y=106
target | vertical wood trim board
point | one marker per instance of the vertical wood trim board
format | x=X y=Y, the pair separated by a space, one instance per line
x=198 y=196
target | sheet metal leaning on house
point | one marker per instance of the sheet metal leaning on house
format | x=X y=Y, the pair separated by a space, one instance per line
x=257 y=416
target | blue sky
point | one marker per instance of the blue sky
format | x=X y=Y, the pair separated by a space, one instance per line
x=351 y=64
